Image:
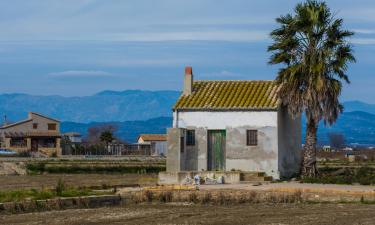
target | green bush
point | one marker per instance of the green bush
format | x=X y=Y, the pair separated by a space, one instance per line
x=60 y=187
x=363 y=175
x=45 y=167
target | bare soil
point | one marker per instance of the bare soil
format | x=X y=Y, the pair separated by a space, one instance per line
x=258 y=214
x=75 y=180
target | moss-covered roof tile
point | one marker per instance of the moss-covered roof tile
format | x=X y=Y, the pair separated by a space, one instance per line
x=227 y=95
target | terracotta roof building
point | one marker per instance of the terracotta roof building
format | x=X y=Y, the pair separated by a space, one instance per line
x=152 y=137
x=37 y=133
x=233 y=126
x=158 y=142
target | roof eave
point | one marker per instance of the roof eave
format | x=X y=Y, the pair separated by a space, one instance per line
x=227 y=109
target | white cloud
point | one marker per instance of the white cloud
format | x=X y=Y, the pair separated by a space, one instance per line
x=79 y=73
x=224 y=74
x=364 y=31
x=230 y=35
x=363 y=41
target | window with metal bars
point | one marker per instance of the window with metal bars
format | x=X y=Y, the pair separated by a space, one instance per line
x=190 y=137
x=252 y=137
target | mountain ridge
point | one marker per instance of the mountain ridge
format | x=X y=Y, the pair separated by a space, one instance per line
x=151 y=112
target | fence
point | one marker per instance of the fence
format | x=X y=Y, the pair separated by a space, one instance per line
x=131 y=149
x=112 y=149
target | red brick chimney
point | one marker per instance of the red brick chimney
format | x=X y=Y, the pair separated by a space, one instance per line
x=188 y=81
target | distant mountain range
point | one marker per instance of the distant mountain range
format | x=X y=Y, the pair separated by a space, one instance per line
x=357 y=127
x=150 y=112
x=105 y=106
x=127 y=131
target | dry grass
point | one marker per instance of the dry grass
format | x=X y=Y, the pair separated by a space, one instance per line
x=216 y=197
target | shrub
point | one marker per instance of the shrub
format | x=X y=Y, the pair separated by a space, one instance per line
x=60 y=187
x=206 y=198
x=148 y=195
x=222 y=199
x=165 y=196
x=193 y=197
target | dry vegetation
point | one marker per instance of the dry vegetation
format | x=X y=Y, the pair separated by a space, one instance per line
x=76 y=180
x=173 y=213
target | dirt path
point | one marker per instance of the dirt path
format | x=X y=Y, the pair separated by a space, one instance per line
x=50 y=180
x=258 y=214
x=296 y=186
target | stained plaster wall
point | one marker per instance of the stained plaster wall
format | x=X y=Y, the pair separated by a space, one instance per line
x=173 y=149
x=239 y=156
x=279 y=140
x=289 y=143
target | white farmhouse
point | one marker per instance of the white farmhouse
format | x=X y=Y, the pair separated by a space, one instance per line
x=158 y=142
x=226 y=126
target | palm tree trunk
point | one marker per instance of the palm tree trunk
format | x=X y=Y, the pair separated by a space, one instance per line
x=309 y=158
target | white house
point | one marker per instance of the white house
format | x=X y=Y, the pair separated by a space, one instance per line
x=158 y=142
x=233 y=126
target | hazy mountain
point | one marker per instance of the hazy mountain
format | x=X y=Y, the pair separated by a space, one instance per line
x=108 y=106
x=128 y=130
x=357 y=127
x=140 y=107
x=102 y=107
x=351 y=106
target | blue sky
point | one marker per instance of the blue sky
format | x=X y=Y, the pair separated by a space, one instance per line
x=80 y=47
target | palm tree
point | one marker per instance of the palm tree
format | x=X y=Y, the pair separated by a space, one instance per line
x=107 y=137
x=313 y=48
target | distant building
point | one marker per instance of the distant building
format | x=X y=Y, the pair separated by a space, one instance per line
x=351 y=157
x=73 y=137
x=347 y=149
x=327 y=148
x=36 y=134
x=158 y=142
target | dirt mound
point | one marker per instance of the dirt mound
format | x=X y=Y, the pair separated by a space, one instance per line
x=12 y=168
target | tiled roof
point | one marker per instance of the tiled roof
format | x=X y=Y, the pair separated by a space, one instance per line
x=153 y=137
x=38 y=114
x=73 y=134
x=227 y=95
x=33 y=134
x=15 y=124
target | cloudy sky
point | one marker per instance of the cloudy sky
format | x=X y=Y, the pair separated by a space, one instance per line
x=80 y=47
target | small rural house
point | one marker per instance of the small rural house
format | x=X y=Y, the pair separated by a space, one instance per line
x=158 y=142
x=73 y=137
x=232 y=126
x=37 y=133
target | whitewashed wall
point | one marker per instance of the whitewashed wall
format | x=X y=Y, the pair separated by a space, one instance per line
x=222 y=120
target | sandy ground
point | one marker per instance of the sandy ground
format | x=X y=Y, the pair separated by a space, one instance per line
x=319 y=190
x=50 y=180
x=295 y=186
x=258 y=214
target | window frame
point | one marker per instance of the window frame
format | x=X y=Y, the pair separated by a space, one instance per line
x=35 y=126
x=54 y=125
x=190 y=137
x=252 y=137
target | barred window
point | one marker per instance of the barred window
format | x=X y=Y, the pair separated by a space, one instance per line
x=52 y=126
x=252 y=137
x=182 y=144
x=190 y=137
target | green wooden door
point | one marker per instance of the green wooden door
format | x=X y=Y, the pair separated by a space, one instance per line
x=216 y=150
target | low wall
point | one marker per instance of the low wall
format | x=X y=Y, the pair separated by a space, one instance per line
x=228 y=196
x=60 y=204
x=181 y=177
